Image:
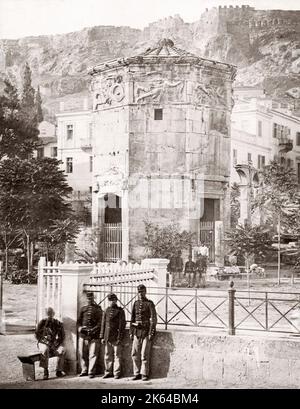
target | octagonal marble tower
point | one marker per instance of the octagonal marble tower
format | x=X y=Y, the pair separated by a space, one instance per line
x=161 y=147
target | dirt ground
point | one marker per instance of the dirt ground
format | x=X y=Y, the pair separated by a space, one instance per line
x=19 y=307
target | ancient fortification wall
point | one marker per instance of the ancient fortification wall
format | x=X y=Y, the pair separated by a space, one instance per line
x=245 y=20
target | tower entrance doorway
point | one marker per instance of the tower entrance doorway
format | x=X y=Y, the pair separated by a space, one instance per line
x=112 y=228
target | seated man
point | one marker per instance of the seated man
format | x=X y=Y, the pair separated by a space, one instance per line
x=50 y=335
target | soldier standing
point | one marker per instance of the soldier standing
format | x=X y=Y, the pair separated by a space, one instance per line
x=175 y=267
x=189 y=270
x=89 y=325
x=50 y=335
x=200 y=271
x=142 y=332
x=112 y=334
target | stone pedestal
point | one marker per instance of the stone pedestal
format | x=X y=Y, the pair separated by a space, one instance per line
x=74 y=276
x=160 y=269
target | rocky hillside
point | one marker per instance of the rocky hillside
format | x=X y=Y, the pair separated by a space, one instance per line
x=264 y=45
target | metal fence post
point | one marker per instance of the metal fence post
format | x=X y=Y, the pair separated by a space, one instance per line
x=231 y=297
x=166 y=311
x=2 y=329
x=266 y=311
x=196 y=308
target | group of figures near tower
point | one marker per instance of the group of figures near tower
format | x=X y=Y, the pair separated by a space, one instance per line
x=194 y=270
x=96 y=326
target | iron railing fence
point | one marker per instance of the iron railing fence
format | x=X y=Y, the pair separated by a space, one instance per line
x=271 y=311
x=230 y=310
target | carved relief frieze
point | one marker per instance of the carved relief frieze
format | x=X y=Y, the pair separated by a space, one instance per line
x=210 y=92
x=159 y=90
x=108 y=90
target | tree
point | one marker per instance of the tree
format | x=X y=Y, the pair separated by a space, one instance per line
x=38 y=106
x=9 y=238
x=54 y=239
x=235 y=206
x=32 y=196
x=278 y=199
x=163 y=242
x=249 y=242
x=28 y=97
x=18 y=135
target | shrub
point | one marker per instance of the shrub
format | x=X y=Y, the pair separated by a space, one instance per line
x=22 y=277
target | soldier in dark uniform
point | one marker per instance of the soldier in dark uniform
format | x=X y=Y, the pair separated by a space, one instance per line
x=175 y=267
x=89 y=325
x=200 y=271
x=142 y=331
x=189 y=270
x=112 y=333
x=50 y=335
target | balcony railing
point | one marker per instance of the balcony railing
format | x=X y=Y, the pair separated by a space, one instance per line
x=285 y=145
x=80 y=195
x=86 y=143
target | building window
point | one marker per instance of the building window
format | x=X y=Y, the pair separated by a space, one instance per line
x=259 y=128
x=91 y=164
x=70 y=131
x=234 y=154
x=249 y=157
x=54 y=151
x=274 y=130
x=261 y=160
x=158 y=114
x=40 y=153
x=91 y=189
x=298 y=172
x=69 y=165
x=298 y=138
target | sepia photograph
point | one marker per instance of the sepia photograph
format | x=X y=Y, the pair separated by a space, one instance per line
x=149 y=197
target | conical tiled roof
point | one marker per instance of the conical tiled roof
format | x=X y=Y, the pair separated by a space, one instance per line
x=164 y=50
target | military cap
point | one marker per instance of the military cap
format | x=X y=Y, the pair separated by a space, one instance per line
x=112 y=297
x=141 y=288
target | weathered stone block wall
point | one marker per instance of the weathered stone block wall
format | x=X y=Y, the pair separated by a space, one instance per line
x=225 y=360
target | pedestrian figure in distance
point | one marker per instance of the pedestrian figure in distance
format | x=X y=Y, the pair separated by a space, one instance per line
x=175 y=268
x=89 y=325
x=111 y=335
x=200 y=271
x=189 y=271
x=142 y=332
x=50 y=336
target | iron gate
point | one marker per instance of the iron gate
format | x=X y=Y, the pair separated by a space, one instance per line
x=207 y=236
x=112 y=242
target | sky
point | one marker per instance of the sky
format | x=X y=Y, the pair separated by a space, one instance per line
x=21 y=18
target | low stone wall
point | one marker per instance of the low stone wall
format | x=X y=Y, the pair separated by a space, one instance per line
x=225 y=360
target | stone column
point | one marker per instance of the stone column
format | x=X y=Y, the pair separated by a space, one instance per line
x=73 y=278
x=160 y=268
x=243 y=204
x=219 y=243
